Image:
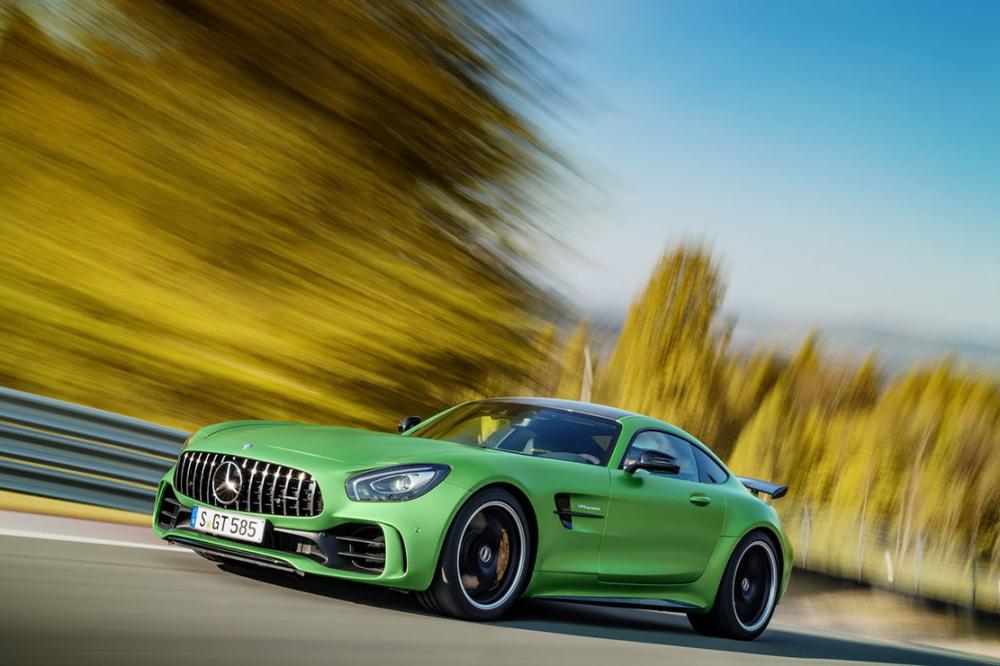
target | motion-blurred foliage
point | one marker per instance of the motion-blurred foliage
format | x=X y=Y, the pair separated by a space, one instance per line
x=297 y=209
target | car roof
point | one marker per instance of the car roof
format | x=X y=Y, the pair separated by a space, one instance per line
x=593 y=409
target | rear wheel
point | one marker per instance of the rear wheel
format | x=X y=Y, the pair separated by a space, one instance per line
x=483 y=565
x=747 y=594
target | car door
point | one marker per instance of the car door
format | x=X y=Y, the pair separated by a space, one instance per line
x=660 y=529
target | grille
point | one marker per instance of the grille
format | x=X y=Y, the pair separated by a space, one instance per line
x=266 y=487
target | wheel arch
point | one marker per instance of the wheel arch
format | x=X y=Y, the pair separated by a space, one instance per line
x=428 y=597
x=775 y=537
x=522 y=498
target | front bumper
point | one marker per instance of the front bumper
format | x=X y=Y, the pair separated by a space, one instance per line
x=336 y=542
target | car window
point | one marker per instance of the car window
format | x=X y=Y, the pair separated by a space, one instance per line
x=709 y=471
x=528 y=430
x=674 y=447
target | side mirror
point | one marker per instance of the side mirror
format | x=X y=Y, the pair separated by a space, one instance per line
x=407 y=423
x=655 y=462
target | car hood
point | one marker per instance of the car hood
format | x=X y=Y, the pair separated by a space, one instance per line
x=304 y=446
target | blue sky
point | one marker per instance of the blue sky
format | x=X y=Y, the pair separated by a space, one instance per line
x=843 y=159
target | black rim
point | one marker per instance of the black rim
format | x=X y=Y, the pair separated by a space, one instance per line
x=490 y=555
x=753 y=592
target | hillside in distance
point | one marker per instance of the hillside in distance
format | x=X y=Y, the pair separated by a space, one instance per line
x=898 y=350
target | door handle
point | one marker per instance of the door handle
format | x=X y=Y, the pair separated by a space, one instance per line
x=700 y=500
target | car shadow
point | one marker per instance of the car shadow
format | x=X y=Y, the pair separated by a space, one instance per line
x=638 y=626
x=673 y=629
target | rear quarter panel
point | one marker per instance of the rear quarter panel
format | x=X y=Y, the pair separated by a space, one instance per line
x=744 y=514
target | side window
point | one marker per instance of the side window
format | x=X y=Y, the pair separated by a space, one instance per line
x=709 y=471
x=672 y=446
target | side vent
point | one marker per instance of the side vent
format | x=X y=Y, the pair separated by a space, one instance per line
x=566 y=513
x=563 y=510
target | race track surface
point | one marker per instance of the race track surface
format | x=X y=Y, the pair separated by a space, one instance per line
x=63 y=602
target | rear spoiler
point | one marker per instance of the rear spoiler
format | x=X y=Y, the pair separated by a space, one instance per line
x=756 y=486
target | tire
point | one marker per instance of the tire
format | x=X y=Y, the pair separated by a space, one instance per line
x=483 y=567
x=747 y=594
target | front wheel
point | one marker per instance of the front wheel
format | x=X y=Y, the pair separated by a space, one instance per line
x=483 y=565
x=747 y=594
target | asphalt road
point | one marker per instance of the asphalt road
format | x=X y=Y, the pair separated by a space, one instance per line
x=78 y=603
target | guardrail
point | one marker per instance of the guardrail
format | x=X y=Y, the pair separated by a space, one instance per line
x=69 y=452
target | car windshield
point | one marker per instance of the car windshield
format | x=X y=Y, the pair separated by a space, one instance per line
x=527 y=429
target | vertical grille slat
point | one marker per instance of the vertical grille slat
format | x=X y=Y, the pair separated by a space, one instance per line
x=189 y=487
x=298 y=494
x=253 y=477
x=284 y=493
x=260 y=491
x=201 y=485
x=207 y=474
x=267 y=488
x=241 y=502
x=196 y=478
x=186 y=487
x=274 y=485
x=202 y=473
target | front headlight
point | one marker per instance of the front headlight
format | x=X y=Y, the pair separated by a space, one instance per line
x=395 y=484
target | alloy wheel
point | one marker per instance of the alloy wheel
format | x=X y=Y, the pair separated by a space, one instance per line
x=491 y=555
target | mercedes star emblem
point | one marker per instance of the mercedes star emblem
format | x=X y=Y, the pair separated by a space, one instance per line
x=226 y=482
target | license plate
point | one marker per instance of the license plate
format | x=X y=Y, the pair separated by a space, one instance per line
x=229 y=525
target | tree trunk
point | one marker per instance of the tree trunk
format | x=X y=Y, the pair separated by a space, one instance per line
x=913 y=484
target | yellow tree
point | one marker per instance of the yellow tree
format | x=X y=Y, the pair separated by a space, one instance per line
x=274 y=209
x=573 y=365
x=670 y=359
x=546 y=367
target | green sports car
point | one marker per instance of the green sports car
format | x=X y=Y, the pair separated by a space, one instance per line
x=487 y=502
